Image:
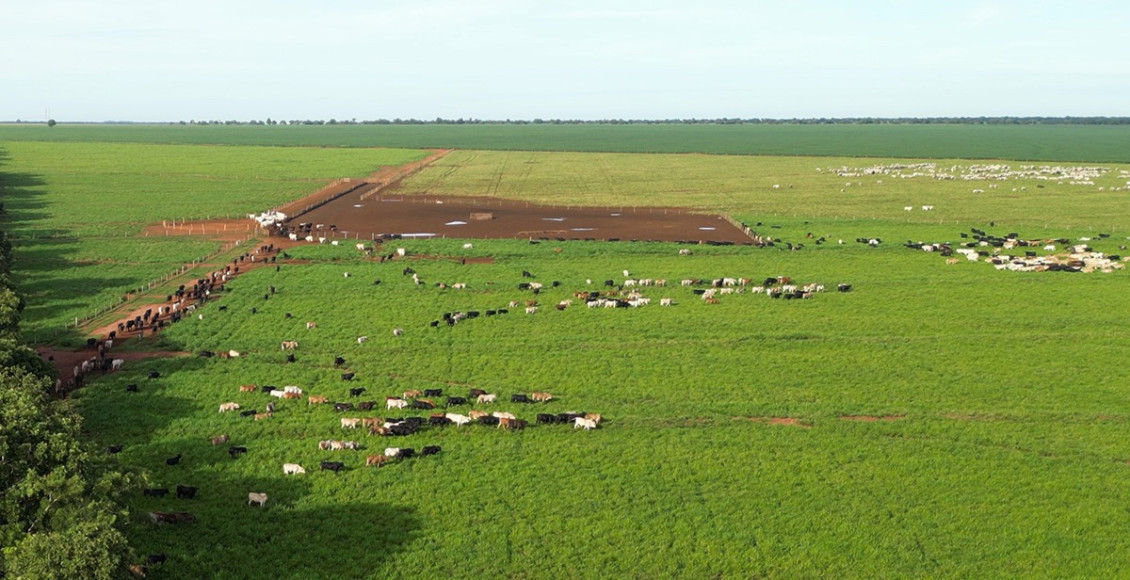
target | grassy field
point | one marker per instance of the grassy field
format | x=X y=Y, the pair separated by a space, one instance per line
x=997 y=449
x=1109 y=143
x=1004 y=453
x=76 y=211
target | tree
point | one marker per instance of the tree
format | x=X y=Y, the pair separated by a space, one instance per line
x=50 y=122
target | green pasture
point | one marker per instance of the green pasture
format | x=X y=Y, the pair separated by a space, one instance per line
x=76 y=211
x=1109 y=143
x=1007 y=458
x=787 y=187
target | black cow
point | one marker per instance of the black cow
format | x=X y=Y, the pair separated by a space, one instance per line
x=527 y=274
x=347 y=376
x=186 y=492
x=248 y=413
x=290 y=358
x=334 y=466
x=365 y=405
x=474 y=393
x=433 y=392
x=154 y=374
x=406 y=452
x=131 y=388
x=236 y=451
x=421 y=404
x=338 y=361
x=402 y=429
x=546 y=419
x=156 y=491
x=519 y=398
x=568 y=417
x=438 y=421
x=114 y=449
x=843 y=287
x=206 y=354
x=156 y=558
x=357 y=391
x=266 y=388
x=488 y=420
x=173 y=460
x=342 y=407
x=430 y=450
x=452 y=401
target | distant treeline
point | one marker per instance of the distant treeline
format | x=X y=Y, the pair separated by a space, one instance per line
x=717 y=121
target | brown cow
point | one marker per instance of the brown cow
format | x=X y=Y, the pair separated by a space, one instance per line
x=263 y=416
x=379 y=430
x=541 y=397
x=412 y=393
x=513 y=424
x=475 y=415
x=312 y=400
x=292 y=396
x=219 y=440
x=377 y=460
x=248 y=388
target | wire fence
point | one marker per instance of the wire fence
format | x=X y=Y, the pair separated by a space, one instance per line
x=134 y=295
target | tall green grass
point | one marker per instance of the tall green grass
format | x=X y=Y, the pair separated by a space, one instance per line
x=1008 y=460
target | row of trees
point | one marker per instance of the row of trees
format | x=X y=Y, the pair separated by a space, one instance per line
x=59 y=517
x=714 y=121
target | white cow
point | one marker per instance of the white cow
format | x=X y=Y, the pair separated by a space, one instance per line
x=395 y=403
x=292 y=389
x=361 y=339
x=259 y=498
x=225 y=407
x=587 y=424
x=292 y=468
x=487 y=398
x=457 y=418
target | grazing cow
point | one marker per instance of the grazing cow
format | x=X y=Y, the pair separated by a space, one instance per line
x=154 y=374
x=347 y=376
x=312 y=400
x=290 y=358
x=438 y=421
x=350 y=422
x=277 y=393
x=376 y=460
x=406 y=452
x=430 y=450
x=519 y=398
x=138 y=570
x=453 y=401
x=292 y=469
x=114 y=449
x=334 y=466
x=156 y=491
x=541 y=397
x=267 y=415
x=158 y=558
x=171 y=517
x=235 y=451
x=391 y=452
x=458 y=419
x=311 y=324
x=397 y=331
x=486 y=398
x=259 y=498
x=362 y=339
x=288 y=345
x=186 y=492
x=266 y=388
x=586 y=423
x=219 y=440
x=292 y=389
x=232 y=406
x=357 y=392
x=476 y=414
x=131 y=388
x=488 y=420
x=116 y=364
x=475 y=393
x=412 y=393
x=342 y=407
x=338 y=361
x=292 y=395
x=593 y=417
x=546 y=419
x=394 y=403
x=248 y=412
x=366 y=405
x=173 y=460
x=433 y=392
x=512 y=424
x=422 y=404
x=503 y=415
x=248 y=388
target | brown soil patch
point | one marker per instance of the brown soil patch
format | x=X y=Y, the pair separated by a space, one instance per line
x=364 y=215
x=871 y=418
x=791 y=421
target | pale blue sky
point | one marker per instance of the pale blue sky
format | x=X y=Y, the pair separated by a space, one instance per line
x=154 y=60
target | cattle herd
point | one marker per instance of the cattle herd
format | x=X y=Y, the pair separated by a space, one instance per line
x=1014 y=253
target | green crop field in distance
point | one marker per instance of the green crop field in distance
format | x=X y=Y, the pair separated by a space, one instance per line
x=1105 y=143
